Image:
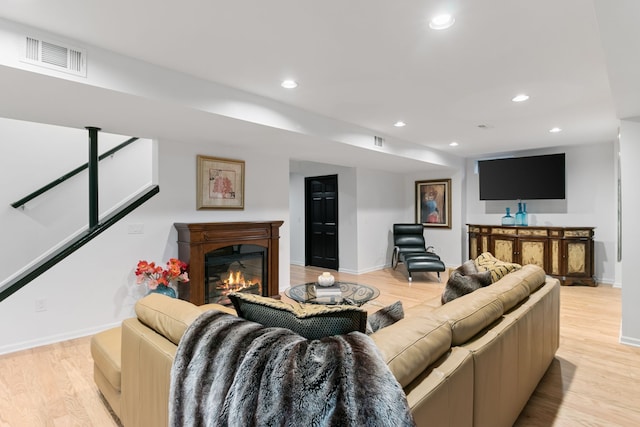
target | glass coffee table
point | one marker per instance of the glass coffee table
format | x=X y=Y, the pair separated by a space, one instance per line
x=350 y=293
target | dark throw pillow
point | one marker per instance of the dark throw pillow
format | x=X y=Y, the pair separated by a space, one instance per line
x=468 y=267
x=312 y=321
x=459 y=284
x=384 y=317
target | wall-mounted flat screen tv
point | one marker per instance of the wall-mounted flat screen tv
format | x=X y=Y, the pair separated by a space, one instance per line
x=523 y=178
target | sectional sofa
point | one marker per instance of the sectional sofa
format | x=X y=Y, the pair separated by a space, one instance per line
x=471 y=362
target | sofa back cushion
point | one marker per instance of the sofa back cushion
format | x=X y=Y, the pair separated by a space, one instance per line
x=515 y=287
x=470 y=314
x=533 y=276
x=410 y=345
x=167 y=316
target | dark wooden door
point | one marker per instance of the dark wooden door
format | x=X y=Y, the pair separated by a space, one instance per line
x=321 y=195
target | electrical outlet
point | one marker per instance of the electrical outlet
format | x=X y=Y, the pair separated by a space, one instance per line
x=41 y=304
x=136 y=229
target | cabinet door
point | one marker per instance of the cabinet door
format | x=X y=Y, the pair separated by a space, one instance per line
x=533 y=250
x=576 y=258
x=504 y=248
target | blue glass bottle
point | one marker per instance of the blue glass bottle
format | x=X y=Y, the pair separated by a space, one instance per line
x=519 y=215
x=525 y=216
x=508 y=219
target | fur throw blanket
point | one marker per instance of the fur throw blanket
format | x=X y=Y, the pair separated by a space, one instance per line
x=232 y=372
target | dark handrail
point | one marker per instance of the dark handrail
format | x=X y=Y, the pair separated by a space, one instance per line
x=68 y=175
x=46 y=263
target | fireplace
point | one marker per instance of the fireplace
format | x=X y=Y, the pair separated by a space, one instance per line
x=235 y=268
x=225 y=257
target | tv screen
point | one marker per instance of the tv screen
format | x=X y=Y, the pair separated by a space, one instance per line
x=524 y=178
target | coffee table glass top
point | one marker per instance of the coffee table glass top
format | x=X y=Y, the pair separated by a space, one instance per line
x=350 y=293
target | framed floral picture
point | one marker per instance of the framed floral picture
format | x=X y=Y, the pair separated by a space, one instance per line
x=433 y=203
x=220 y=183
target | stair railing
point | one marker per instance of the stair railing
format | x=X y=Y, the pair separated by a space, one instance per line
x=95 y=225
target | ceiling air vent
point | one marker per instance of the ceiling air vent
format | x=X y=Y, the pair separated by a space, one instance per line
x=55 y=56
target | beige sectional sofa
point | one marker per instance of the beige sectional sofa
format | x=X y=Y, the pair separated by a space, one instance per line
x=471 y=362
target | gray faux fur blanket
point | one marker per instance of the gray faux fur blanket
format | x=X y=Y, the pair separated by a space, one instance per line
x=232 y=372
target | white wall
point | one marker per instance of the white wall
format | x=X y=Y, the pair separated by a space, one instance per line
x=347 y=232
x=447 y=243
x=369 y=202
x=629 y=155
x=590 y=201
x=95 y=287
x=380 y=204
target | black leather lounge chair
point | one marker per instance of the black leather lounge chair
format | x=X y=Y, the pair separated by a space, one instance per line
x=410 y=248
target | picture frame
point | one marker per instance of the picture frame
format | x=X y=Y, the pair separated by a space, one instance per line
x=433 y=203
x=220 y=183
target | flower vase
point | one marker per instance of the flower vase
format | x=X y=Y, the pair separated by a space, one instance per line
x=164 y=290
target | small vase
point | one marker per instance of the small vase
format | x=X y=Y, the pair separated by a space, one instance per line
x=508 y=219
x=164 y=290
x=525 y=216
x=326 y=279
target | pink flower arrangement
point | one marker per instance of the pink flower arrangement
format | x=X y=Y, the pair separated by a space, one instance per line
x=154 y=275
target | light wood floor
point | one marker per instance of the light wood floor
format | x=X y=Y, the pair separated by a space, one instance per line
x=593 y=381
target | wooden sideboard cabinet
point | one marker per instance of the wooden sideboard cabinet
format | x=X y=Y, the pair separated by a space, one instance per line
x=563 y=252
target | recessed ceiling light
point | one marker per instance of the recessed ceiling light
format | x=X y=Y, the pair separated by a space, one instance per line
x=453 y=144
x=520 y=98
x=441 y=22
x=289 y=84
x=555 y=130
x=399 y=124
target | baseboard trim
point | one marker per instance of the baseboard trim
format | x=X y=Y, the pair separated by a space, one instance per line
x=52 y=339
x=635 y=342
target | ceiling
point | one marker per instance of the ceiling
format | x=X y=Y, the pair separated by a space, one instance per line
x=374 y=62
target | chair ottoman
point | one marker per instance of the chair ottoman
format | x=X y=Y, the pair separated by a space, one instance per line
x=423 y=262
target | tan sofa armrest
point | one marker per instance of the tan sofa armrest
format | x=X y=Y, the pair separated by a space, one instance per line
x=147 y=358
x=167 y=316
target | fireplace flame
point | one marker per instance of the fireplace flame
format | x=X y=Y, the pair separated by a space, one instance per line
x=236 y=281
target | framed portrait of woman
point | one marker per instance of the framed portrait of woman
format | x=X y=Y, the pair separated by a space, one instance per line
x=433 y=203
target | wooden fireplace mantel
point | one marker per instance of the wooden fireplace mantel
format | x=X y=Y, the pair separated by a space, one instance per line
x=195 y=240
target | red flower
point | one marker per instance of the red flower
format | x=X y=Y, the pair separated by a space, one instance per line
x=153 y=275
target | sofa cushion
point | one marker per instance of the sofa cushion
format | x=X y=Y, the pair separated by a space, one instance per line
x=533 y=276
x=168 y=316
x=470 y=314
x=312 y=321
x=510 y=291
x=384 y=317
x=487 y=262
x=106 y=352
x=412 y=344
